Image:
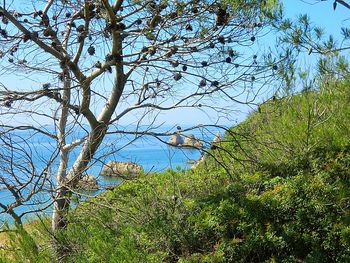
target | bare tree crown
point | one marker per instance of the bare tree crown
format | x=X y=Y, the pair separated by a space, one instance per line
x=93 y=62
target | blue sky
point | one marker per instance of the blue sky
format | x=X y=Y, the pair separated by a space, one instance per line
x=320 y=13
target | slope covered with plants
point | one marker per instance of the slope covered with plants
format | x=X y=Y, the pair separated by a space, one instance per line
x=276 y=189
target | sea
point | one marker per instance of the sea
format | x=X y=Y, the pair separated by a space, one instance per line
x=149 y=151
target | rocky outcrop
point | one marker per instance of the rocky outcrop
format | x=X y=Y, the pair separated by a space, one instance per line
x=216 y=142
x=176 y=139
x=201 y=160
x=121 y=169
x=191 y=162
x=213 y=145
x=88 y=182
x=191 y=141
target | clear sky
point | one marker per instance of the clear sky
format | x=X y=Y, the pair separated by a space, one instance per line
x=321 y=13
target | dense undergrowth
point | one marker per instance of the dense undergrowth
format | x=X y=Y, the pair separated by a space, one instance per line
x=276 y=190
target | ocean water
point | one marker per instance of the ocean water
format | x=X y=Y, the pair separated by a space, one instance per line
x=148 y=151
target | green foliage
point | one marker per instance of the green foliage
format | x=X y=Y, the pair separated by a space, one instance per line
x=289 y=205
x=302 y=39
x=271 y=9
x=143 y=221
x=27 y=245
x=258 y=218
x=286 y=129
x=277 y=189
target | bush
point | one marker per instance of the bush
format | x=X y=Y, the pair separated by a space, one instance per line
x=280 y=193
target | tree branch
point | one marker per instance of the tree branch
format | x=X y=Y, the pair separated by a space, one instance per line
x=343 y=3
x=25 y=31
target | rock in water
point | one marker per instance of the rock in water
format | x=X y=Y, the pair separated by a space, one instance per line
x=191 y=141
x=215 y=143
x=121 y=169
x=88 y=182
x=176 y=139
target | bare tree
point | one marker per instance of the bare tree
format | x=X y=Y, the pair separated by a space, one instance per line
x=82 y=66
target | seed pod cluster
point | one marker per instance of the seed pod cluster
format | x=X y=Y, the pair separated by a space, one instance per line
x=202 y=83
x=91 y=50
x=177 y=76
x=221 y=17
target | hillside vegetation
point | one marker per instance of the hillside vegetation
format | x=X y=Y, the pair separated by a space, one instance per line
x=277 y=189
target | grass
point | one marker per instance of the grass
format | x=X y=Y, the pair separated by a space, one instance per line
x=3 y=239
x=276 y=190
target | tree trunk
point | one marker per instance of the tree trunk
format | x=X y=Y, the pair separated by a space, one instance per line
x=61 y=203
x=62 y=198
x=68 y=180
x=61 y=206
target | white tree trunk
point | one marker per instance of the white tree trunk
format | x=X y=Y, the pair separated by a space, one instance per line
x=59 y=203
